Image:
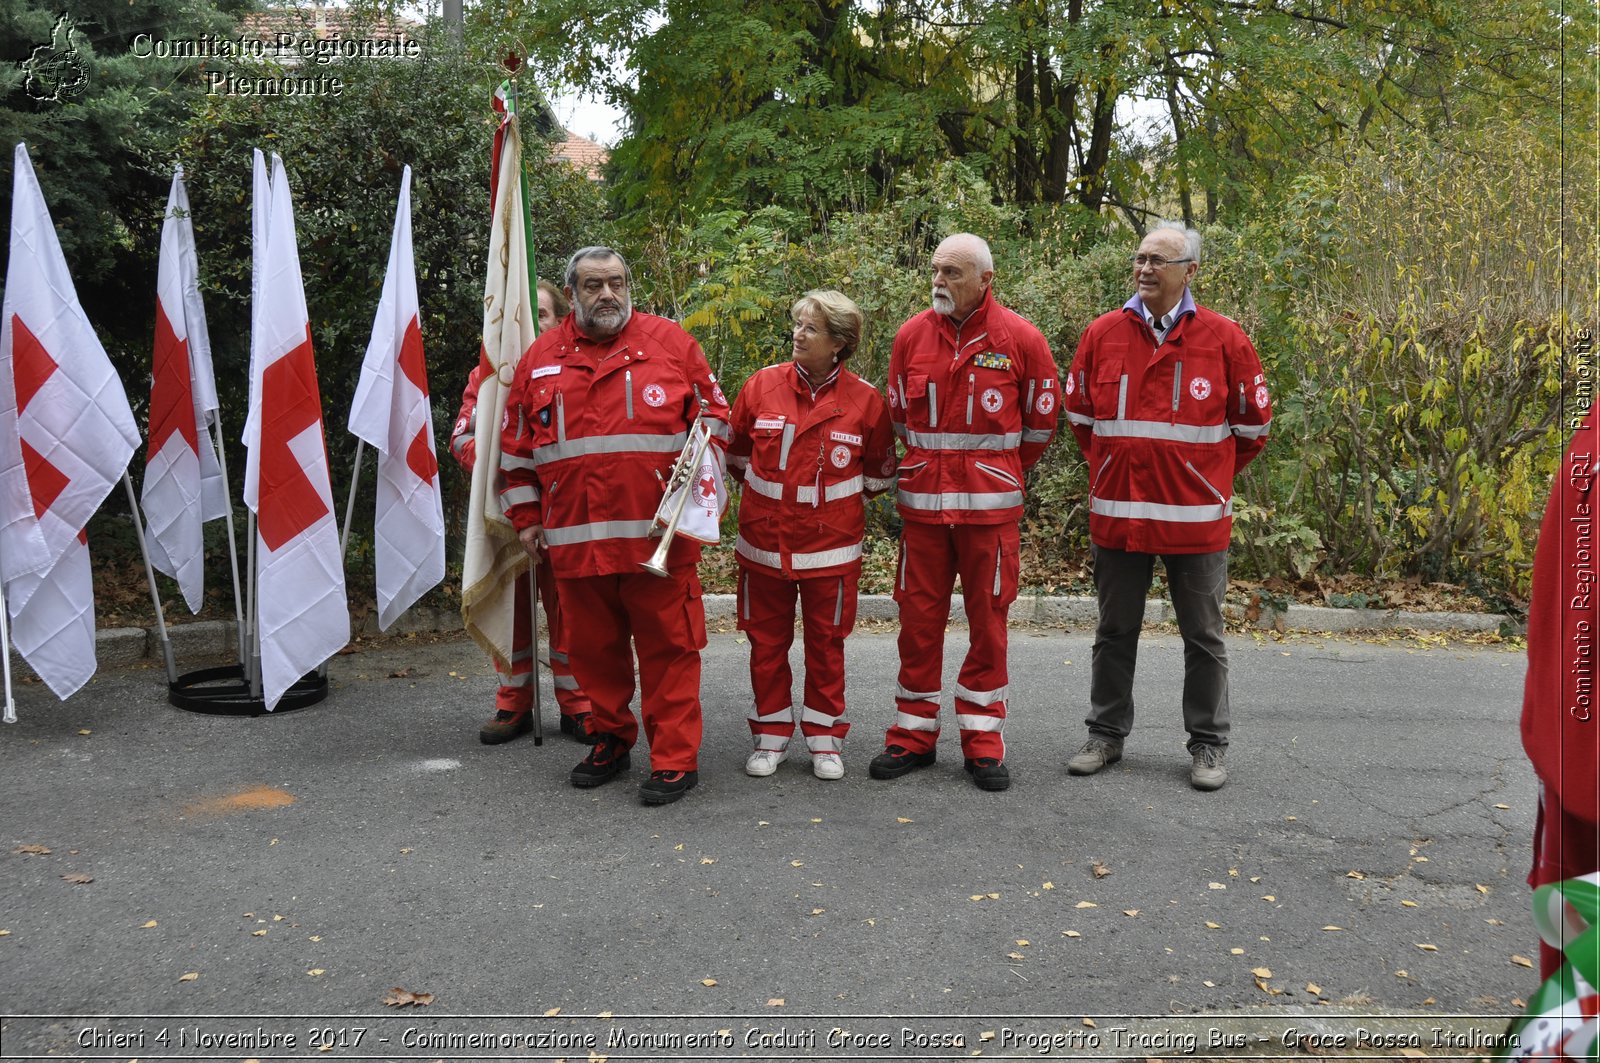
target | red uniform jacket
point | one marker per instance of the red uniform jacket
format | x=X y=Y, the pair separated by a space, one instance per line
x=1166 y=429
x=806 y=466
x=1560 y=717
x=463 y=444
x=592 y=431
x=976 y=405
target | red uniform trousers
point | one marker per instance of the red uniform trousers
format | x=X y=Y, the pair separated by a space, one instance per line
x=665 y=622
x=1564 y=846
x=986 y=557
x=766 y=616
x=516 y=686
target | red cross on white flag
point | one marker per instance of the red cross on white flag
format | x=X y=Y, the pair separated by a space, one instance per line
x=303 y=615
x=66 y=434
x=391 y=412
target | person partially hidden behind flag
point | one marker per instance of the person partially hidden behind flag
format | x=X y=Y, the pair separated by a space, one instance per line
x=599 y=410
x=513 y=701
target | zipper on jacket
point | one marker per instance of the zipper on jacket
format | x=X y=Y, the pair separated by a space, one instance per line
x=1027 y=407
x=933 y=405
x=1177 y=380
x=902 y=580
x=1101 y=471
x=838 y=603
x=1217 y=494
x=972 y=388
x=998 y=474
x=998 y=557
x=561 y=417
x=1122 y=398
x=627 y=380
x=1241 y=398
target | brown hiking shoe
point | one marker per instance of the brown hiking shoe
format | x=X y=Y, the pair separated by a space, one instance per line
x=505 y=726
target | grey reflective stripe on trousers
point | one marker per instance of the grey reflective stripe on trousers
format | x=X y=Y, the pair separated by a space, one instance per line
x=1177 y=433
x=602 y=529
x=564 y=682
x=798 y=562
x=982 y=697
x=783 y=715
x=618 y=444
x=917 y=695
x=968 y=722
x=1105 y=507
x=962 y=440
x=968 y=500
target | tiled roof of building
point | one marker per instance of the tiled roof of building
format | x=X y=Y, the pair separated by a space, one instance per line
x=583 y=154
x=325 y=23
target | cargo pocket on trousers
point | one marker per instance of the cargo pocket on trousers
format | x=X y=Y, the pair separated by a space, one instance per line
x=694 y=612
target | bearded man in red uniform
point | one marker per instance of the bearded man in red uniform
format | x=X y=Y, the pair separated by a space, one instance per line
x=1168 y=401
x=599 y=410
x=973 y=394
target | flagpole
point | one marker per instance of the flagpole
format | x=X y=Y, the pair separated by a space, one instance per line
x=252 y=665
x=350 y=506
x=10 y=715
x=214 y=433
x=150 y=574
x=533 y=290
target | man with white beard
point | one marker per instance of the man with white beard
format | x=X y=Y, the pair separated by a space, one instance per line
x=599 y=410
x=973 y=395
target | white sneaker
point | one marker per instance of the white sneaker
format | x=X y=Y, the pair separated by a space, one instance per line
x=827 y=766
x=764 y=762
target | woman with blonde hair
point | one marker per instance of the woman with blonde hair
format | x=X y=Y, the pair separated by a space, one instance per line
x=811 y=442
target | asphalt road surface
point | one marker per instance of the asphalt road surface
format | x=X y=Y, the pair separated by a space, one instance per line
x=260 y=886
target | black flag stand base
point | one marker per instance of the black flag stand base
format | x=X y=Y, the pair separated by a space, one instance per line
x=225 y=691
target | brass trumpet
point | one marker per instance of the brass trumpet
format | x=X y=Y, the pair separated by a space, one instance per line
x=683 y=473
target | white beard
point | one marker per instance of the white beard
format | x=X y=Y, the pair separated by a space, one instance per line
x=943 y=303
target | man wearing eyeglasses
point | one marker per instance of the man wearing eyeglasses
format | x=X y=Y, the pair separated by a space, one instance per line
x=1168 y=402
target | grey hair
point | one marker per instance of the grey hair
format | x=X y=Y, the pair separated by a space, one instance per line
x=976 y=246
x=595 y=251
x=1191 y=238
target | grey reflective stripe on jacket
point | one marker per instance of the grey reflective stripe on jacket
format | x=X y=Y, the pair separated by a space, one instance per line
x=798 y=561
x=618 y=444
x=968 y=500
x=602 y=529
x=962 y=440
x=1161 y=511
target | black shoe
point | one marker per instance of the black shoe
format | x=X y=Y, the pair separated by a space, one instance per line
x=608 y=757
x=578 y=726
x=989 y=774
x=896 y=761
x=665 y=787
x=505 y=726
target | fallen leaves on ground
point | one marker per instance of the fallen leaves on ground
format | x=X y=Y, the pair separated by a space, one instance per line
x=32 y=850
x=1086 y=904
x=551 y=1013
x=1426 y=947
x=1100 y=870
x=776 y=1002
x=1522 y=961
x=708 y=982
x=191 y=976
x=78 y=879
x=402 y=998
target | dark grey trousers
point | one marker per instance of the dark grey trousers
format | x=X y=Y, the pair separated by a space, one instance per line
x=1197 y=583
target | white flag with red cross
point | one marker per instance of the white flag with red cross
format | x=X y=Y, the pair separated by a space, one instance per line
x=303 y=613
x=66 y=434
x=183 y=485
x=391 y=411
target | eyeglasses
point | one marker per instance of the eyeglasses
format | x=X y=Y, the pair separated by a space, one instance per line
x=1156 y=261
